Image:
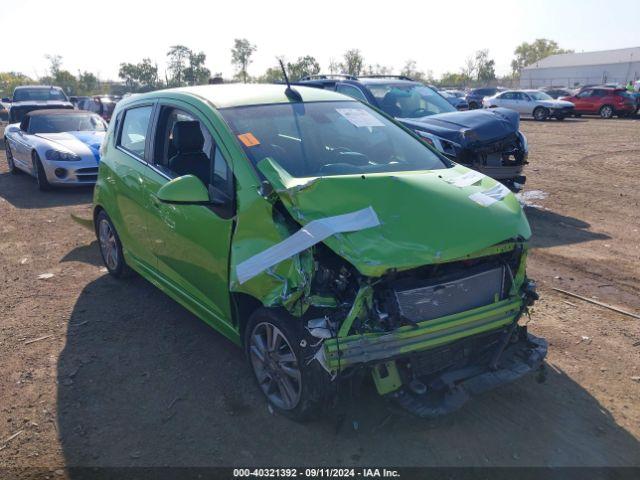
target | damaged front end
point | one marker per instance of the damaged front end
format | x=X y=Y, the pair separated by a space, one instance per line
x=423 y=287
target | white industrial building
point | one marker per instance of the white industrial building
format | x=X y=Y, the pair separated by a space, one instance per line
x=586 y=68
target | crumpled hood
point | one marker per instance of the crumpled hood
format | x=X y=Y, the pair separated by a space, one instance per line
x=469 y=128
x=81 y=143
x=424 y=219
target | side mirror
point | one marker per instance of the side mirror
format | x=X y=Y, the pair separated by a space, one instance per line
x=6 y=100
x=187 y=189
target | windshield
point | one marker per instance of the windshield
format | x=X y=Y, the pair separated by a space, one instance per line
x=38 y=94
x=73 y=122
x=409 y=100
x=539 y=96
x=328 y=138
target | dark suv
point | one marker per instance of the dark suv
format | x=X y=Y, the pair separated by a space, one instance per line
x=486 y=140
x=35 y=97
x=475 y=96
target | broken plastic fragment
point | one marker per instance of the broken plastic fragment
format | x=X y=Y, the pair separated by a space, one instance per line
x=491 y=196
x=312 y=233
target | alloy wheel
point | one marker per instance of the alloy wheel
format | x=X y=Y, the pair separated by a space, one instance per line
x=108 y=245
x=275 y=365
x=606 y=112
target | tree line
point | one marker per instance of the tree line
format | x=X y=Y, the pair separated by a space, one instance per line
x=186 y=67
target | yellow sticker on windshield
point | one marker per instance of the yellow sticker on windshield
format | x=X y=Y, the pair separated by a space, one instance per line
x=248 y=139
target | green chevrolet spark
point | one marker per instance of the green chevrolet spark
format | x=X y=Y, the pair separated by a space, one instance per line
x=327 y=240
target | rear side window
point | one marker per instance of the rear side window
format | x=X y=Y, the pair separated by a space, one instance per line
x=134 y=130
x=352 y=92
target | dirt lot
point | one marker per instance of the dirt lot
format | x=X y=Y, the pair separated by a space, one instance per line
x=101 y=372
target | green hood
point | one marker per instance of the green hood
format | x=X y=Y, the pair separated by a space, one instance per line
x=424 y=219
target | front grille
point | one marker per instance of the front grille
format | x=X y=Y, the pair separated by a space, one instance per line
x=501 y=152
x=87 y=178
x=454 y=354
x=439 y=298
x=88 y=170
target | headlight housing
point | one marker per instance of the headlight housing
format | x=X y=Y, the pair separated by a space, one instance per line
x=59 y=156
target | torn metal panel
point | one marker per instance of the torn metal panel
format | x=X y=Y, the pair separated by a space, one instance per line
x=314 y=232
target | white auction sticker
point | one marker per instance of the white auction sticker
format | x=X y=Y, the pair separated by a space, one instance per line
x=359 y=117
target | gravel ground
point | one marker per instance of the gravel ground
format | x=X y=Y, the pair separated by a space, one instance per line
x=113 y=373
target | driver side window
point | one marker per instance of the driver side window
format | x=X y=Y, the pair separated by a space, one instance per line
x=184 y=146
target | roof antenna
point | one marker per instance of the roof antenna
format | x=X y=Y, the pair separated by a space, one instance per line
x=289 y=92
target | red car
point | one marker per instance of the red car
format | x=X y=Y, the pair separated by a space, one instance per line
x=603 y=101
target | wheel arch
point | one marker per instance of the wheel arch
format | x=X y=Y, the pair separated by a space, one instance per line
x=243 y=306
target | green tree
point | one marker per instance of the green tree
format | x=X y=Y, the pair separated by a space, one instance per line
x=55 y=62
x=141 y=76
x=10 y=80
x=451 y=79
x=87 y=83
x=529 y=53
x=177 y=64
x=302 y=67
x=196 y=73
x=353 y=62
x=484 y=67
x=241 y=57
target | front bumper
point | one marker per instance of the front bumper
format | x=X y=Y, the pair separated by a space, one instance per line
x=452 y=389
x=83 y=172
x=371 y=347
x=563 y=112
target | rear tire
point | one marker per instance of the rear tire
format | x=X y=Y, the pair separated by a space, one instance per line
x=606 y=112
x=540 y=114
x=12 y=166
x=473 y=106
x=38 y=171
x=293 y=386
x=111 y=247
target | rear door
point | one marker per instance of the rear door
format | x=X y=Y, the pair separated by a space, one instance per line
x=191 y=243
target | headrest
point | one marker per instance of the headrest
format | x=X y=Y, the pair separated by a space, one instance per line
x=187 y=137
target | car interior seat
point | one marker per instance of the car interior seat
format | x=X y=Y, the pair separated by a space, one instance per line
x=390 y=104
x=190 y=159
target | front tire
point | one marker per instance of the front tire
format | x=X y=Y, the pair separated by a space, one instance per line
x=9 y=154
x=606 y=112
x=291 y=385
x=39 y=173
x=111 y=247
x=541 y=114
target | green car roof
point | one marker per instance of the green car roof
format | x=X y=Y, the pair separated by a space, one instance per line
x=240 y=94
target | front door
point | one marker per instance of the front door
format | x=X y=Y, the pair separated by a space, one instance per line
x=583 y=101
x=191 y=243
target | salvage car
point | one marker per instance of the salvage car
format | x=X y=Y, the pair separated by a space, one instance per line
x=57 y=147
x=531 y=103
x=103 y=105
x=488 y=141
x=326 y=239
x=603 y=101
x=27 y=98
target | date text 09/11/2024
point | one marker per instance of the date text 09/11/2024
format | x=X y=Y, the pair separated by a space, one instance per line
x=316 y=473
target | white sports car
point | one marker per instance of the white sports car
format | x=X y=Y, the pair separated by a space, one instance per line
x=57 y=147
x=531 y=103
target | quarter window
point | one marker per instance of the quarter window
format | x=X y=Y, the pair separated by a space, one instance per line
x=134 y=130
x=352 y=91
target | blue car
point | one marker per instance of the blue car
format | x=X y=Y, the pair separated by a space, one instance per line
x=455 y=98
x=489 y=141
x=474 y=97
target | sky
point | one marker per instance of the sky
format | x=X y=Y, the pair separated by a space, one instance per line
x=438 y=35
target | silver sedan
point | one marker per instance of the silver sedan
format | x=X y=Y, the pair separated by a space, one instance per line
x=530 y=103
x=57 y=147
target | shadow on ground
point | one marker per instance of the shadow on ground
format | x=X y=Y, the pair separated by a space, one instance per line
x=551 y=229
x=89 y=254
x=143 y=382
x=14 y=186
